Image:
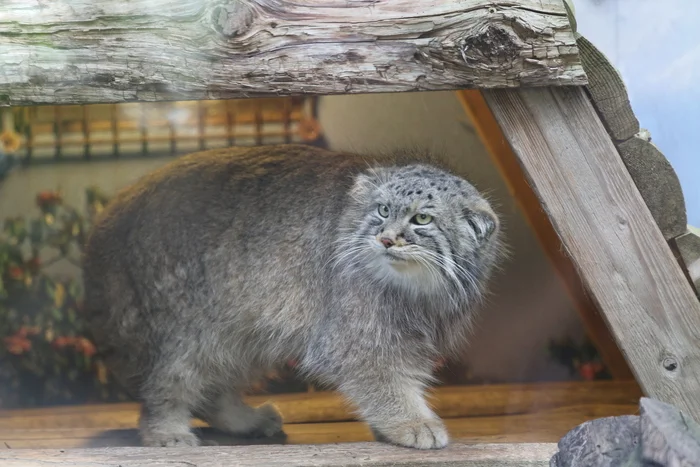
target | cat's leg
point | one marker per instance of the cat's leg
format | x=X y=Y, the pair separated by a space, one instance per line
x=396 y=410
x=166 y=412
x=227 y=412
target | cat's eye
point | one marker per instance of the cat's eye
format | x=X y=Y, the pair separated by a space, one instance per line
x=383 y=210
x=422 y=219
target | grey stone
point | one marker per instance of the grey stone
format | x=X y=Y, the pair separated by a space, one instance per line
x=604 y=442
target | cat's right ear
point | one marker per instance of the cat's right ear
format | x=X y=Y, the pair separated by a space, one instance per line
x=363 y=186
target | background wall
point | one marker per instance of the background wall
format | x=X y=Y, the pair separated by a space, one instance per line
x=528 y=305
x=656 y=46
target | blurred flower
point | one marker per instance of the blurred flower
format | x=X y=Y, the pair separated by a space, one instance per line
x=17 y=344
x=84 y=346
x=10 y=141
x=15 y=273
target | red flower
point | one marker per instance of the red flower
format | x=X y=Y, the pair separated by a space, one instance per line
x=17 y=344
x=25 y=331
x=590 y=370
x=84 y=346
x=48 y=197
x=62 y=342
x=80 y=344
x=16 y=273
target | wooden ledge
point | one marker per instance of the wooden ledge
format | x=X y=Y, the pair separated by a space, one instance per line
x=365 y=454
x=475 y=414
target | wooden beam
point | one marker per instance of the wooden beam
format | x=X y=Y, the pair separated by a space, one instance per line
x=509 y=168
x=365 y=454
x=448 y=402
x=80 y=52
x=610 y=234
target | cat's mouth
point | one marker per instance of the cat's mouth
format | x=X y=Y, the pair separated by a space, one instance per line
x=398 y=257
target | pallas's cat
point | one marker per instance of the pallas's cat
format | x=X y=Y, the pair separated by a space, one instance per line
x=226 y=263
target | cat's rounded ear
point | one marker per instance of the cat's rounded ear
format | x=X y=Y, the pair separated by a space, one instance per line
x=362 y=186
x=483 y=223
x=366 y=183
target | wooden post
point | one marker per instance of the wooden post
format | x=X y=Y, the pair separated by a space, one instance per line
x=509 y=168
x=610 y=234
x=67 y=52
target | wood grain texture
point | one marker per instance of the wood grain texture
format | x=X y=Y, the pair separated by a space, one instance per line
x=89 y=51
x=511 y=171
x=448 y=402
x=542 y=426
x=365 y=454
x=610 y=234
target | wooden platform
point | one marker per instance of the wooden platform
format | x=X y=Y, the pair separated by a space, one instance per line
x=537 y=413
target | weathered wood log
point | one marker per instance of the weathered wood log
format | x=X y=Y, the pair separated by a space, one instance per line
x=608 y=91
x=610 y=234
x=88 y=51
x=658 y=184
x=652 y=173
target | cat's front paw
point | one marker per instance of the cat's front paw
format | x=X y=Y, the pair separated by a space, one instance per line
x=269 y=421
x=420 y=434
x=169 y=440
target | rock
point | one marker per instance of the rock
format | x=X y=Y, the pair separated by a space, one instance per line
x=668 y=436
x=662 y=436
x=605 y=442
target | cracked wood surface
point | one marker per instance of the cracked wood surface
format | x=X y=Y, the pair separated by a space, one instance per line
x=90 y=51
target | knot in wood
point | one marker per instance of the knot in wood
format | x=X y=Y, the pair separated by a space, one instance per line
x=494 y=43
x=670 y=364
x=233 y=19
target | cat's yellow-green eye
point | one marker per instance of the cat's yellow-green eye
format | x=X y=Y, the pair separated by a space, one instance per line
x=383 y=210
x=422 y=219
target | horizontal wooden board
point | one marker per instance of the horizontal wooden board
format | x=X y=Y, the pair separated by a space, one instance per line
x=448 y=401
x=543 y=426
x=365 y=454
x=93 y=51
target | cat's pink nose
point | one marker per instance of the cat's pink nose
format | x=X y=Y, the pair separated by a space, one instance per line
x=387 y=242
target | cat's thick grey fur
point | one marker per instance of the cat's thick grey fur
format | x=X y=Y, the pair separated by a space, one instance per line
x=226 y=263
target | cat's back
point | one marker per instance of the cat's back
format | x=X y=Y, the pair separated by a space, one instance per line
x=214 y=189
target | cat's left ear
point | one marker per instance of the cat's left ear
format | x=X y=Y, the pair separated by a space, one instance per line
x=483 y=223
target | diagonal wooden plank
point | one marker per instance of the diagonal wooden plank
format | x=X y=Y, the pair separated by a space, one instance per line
x=89 y=51
x=610 y=234
x=507 y=163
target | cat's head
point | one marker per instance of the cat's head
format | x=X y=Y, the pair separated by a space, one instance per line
x=420 y=228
